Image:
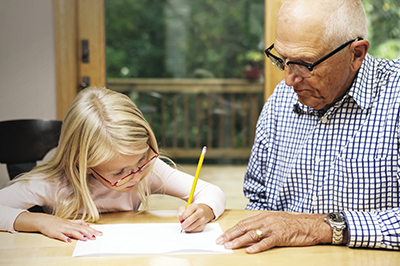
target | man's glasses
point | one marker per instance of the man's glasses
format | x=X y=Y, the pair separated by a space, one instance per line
x=129 y=177
x=303 y=70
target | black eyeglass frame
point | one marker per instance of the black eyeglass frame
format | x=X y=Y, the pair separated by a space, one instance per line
x=310 y=67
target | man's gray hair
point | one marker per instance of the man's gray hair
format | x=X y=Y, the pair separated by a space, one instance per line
x=344 y=19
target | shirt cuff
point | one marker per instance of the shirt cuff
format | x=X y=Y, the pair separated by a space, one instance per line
x=364 y=230
x=8 y=216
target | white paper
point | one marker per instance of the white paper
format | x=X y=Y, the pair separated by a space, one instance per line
x=150 y=238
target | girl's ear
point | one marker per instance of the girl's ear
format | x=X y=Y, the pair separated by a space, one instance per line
x=88 y=170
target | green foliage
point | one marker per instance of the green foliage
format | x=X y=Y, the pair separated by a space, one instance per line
x=384 y=27
x=134 y=38
x=221 y=33
x=218 y=34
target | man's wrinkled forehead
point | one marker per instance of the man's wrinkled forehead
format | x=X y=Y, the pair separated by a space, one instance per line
x=302 y=11
x=295 y=8
x=299 y=20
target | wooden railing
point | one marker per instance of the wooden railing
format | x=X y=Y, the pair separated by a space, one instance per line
x=187 y=114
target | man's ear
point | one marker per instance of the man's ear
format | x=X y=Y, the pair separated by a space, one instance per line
x=359 y=49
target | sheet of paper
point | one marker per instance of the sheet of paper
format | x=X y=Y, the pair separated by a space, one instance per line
x=150 y=238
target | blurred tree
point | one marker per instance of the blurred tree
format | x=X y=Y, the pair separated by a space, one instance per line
x=135 y=38
x=384 y=27
x=219 y=34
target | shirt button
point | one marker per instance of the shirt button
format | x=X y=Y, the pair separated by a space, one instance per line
x=314 y=198
x=324 y=120
x=317 y=160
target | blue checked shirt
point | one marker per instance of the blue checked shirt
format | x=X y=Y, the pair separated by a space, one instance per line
x=346 y=159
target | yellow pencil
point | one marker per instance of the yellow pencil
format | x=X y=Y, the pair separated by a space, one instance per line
x=196 y=177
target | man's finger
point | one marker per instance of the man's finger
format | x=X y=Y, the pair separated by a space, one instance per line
x=243 y=240
x=264 y=244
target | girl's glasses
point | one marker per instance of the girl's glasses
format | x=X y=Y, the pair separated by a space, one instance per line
x=129 y=177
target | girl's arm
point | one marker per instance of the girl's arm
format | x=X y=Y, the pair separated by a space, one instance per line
x=208 y=200
x=20 y=196
x=55 y=227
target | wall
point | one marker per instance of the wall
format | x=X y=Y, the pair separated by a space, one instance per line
x=27 y=62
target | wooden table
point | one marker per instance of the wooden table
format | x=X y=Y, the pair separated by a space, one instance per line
x=36 y=249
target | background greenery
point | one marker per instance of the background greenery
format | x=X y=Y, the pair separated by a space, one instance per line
x=221 y=36
x=134 y=38
x=384 y=27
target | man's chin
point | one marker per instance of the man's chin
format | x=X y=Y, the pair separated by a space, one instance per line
x=310 y=102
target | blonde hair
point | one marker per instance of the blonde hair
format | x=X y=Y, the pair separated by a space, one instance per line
x=99 y=124
x=344 y=19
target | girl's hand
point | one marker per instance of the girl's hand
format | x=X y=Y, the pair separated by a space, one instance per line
x=195 y=217
x=55 y=227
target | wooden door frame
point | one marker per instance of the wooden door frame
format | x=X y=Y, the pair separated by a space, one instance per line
x=65 y=27
x=272 y=75
x=75 y=20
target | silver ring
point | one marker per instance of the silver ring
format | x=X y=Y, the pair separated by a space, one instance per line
x=259 y=234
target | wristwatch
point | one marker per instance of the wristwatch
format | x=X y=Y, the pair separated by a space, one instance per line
x=337 y=221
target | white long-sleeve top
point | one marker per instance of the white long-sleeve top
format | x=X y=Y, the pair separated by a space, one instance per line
x=21 y=196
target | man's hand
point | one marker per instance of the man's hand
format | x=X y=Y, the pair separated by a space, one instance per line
x=279 y=229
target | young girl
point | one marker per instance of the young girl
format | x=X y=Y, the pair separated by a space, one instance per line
x=107 y=160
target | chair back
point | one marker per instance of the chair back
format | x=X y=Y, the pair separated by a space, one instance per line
x=24 y=142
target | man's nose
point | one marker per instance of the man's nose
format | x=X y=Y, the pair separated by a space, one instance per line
x=291 y=78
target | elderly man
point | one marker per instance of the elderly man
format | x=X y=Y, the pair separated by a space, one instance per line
x=325 y=161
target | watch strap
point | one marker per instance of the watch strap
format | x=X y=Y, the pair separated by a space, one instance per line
x=337 y=236
x=337 y=222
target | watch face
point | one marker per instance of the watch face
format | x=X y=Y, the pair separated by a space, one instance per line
x=333 y=217
x=336 y=217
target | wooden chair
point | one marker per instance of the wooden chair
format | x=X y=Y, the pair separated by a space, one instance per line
x=24 y=142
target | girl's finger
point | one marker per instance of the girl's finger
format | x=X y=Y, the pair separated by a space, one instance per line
x=80 y=222
x=179 y=214
x=87 y=230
